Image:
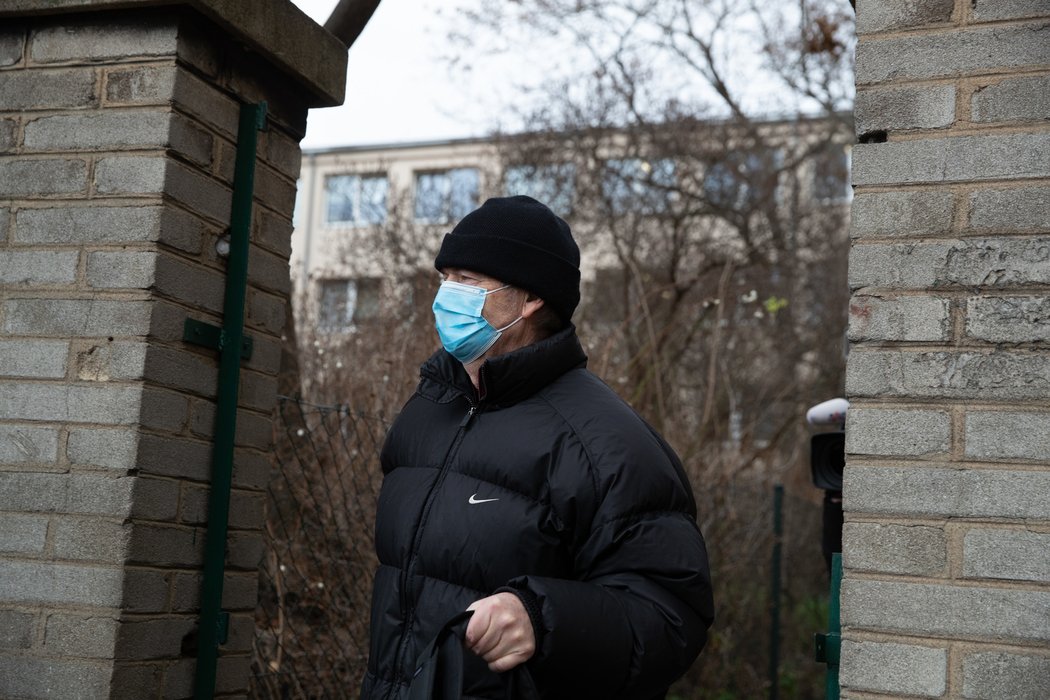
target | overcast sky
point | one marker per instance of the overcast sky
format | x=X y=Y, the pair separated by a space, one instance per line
x=398 y=89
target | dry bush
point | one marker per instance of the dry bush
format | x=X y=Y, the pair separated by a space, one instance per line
x=720 y=316
x=315 y=580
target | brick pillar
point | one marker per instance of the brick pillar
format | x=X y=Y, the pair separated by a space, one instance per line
x=947 y=488
x=117 y=143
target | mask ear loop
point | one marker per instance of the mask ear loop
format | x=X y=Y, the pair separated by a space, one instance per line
x=520 y=316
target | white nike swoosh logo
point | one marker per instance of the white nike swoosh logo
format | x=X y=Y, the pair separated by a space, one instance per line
x=474 y=500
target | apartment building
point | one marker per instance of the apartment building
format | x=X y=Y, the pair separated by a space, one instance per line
x=359 y=207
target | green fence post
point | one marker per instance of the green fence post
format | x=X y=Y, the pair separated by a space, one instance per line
x=213 y=622
x=829 y=645
x=774 y=628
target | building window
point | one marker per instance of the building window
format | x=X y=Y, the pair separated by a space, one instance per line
x=446 y=196
x=552 y=184
x=637 y=185
x=743 y=180
x=356 y=199
x=831 y=179
x=345 y=303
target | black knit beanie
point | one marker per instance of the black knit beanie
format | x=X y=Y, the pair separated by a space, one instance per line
x=521 y=242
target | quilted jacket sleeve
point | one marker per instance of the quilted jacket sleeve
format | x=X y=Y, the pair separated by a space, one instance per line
x=636 y=613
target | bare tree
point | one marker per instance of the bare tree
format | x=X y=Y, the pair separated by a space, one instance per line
x=714 y=245
x=716 y=240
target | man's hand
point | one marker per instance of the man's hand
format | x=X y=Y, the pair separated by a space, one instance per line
x=500 y=632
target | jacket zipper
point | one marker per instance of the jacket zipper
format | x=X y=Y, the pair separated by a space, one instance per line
x=406 y=575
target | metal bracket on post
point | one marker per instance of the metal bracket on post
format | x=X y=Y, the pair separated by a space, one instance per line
x=208 y=335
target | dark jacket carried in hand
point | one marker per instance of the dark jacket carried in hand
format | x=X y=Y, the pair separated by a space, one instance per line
x=550 y=486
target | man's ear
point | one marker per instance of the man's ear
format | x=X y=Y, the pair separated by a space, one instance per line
x=532 y=304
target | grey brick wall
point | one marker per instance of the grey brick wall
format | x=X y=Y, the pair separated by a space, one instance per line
x=117 y=136
x=947 y=480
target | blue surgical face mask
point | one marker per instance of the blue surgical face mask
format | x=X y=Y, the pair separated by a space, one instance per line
x=464 y=332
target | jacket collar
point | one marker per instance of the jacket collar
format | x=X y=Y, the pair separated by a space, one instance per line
x=505 y=379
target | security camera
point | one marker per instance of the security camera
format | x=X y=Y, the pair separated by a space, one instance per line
x=828 y=413
x=827 y=456
x=827 y=460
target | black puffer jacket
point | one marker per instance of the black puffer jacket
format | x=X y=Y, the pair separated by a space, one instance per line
x=552 y=486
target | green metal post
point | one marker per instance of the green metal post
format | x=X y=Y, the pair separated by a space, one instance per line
x=834 y=645
x=211 y=632
x=774 y=630
x=829 y=645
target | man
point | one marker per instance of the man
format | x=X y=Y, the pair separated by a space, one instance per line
x=519 y=486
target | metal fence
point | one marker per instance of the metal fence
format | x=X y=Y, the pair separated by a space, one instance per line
x=311 y=638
